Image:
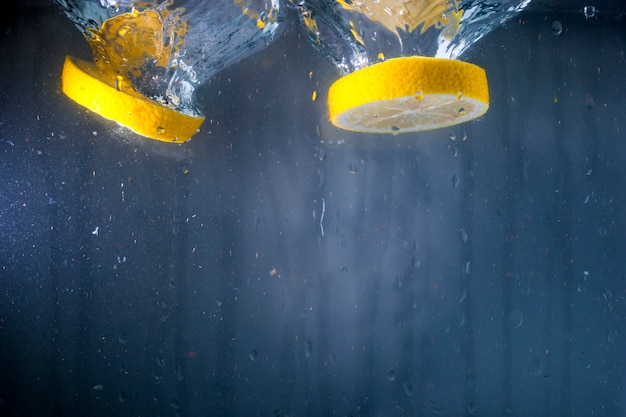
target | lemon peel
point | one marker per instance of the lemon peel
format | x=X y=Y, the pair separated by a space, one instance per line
x=408 y=94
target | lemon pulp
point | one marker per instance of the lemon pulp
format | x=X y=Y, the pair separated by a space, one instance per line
x=408 y=94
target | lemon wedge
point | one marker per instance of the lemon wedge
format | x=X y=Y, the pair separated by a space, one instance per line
x=112 y=97
x=408 y=94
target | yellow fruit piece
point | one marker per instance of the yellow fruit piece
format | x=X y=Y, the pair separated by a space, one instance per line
x=408 y=94
x=112 y=97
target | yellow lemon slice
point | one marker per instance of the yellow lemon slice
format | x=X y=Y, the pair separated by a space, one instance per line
x=408 y=94
x=113 y=97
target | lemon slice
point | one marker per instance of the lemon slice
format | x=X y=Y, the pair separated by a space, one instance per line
x=113 y=97
x=408 y=94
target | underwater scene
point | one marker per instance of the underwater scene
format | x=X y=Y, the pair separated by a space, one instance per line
x=293 y=208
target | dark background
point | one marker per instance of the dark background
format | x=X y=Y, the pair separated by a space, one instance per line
x=475 y=270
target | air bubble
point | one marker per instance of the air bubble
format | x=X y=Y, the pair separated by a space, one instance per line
x=589 y=11
x=516 y=319
x=253 y=355
x=461 y=111
x=391 y=375
x=557 y=28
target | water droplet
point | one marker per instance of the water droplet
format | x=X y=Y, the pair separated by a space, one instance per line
x=175 y=404
x=463 y=235
x=516 y=318
x=253 y=355
x=391 y=375
x=408 y=390
x=589 y=11
x=557 y=28
x=352 y=168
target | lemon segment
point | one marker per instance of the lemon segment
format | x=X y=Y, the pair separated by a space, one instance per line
x=408 y=94
x=112 y=97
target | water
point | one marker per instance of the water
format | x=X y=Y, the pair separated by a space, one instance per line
x=168 y=48
x=355 y=34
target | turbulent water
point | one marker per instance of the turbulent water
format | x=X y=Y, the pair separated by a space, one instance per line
x=198 y=39
x=354 y=34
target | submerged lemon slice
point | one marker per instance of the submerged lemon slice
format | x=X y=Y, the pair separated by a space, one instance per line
x=408 y=94
x=113 y=97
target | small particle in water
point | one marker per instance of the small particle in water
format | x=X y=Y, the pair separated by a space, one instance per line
x=314 y=96
x=51 y=201
x=590 y=103
x=463 y=296
x=607 y=294
x=122 y=338
x=589 y=11
x=467 y=267
x=10 y=143
x=253 y=355
x=179 y=373
x=122 y=397
x=391 y=375
x=160 y=362
x=586 y=199
x=352 y=168
x=95 y=133
x=98 y=387
x=308 y=349
x=344 y=269
x=557 y=27
x=96 y=231
x=455 y=180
